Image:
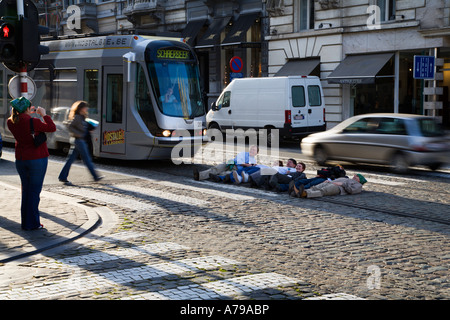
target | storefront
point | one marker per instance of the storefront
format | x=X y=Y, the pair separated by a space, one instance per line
x=222 y=33
x=384 y=82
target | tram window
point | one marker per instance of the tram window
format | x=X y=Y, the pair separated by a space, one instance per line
x=114 y=101
x=65 y=88
x=43 y=91
x=90 y=90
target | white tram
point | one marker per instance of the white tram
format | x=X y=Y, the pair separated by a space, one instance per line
x=143 y=91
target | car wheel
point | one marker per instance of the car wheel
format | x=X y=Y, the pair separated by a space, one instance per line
x=399 y=163
x=320 y=156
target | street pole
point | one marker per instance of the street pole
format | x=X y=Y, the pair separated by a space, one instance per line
x=23 y=68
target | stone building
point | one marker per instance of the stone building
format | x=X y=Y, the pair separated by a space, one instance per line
x=363 y=50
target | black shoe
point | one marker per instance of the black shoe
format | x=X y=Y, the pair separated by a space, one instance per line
x=252 y=182
x=214 y=177
x=66 y=182
x=99 y=178
x=197 y=174
x=227 y=178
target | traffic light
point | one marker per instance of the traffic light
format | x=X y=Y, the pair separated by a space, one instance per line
x=8 y=41
x=9 y=32
x=20 y=46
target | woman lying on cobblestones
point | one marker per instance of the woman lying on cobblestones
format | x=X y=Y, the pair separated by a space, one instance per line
x=339 y=186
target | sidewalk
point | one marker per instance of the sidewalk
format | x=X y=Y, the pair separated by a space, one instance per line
x=63 y=218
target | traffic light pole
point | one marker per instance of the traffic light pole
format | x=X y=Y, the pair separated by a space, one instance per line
x=23 y=70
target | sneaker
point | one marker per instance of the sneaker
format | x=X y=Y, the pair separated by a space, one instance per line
x=244 y=176
x=197 y=174
x=237 y=177
x=99 y=178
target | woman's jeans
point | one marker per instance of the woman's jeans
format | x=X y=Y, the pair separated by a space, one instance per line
x=32 y=173
x=80 y=148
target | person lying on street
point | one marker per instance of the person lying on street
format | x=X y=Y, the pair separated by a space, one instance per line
x=339 y=186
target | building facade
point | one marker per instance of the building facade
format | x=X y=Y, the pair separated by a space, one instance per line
x=363 y=50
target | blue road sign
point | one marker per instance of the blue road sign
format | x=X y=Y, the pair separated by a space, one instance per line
x=424 y=67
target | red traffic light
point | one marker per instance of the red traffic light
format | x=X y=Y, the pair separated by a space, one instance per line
x=6 y=31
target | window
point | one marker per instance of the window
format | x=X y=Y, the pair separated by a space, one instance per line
x=298 y=96
x=90 y=90
x=391 y=126
x=43 y=89
x=65 y=88
x=114 y=102
x=226 y=99
x=387 y=9
x=360 y=126
x=305 y=14
x=143 y=101
x=314 y=96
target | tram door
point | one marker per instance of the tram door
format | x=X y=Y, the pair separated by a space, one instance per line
x=113 y=111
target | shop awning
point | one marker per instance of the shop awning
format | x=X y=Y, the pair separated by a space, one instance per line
x=359 y=69
x=298 y=67
x=239 y=29
x=212 y=35
x=191 y=31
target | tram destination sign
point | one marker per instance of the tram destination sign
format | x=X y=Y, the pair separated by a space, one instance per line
x=173 y=54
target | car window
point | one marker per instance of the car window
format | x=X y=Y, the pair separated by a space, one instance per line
x=391 y=126
x=430 y=128
x=298 y=96
x=314 y=96
x=366 y=125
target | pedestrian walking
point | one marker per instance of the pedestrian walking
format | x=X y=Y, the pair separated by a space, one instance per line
x=31 y=160
x=78 y=128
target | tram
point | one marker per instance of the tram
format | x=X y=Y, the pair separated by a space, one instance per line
x=144 y=93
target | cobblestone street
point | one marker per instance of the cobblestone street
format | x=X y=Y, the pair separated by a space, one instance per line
x=177 y=238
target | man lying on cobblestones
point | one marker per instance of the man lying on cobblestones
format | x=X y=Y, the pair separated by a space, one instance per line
x=339 y=186
x=262 y=177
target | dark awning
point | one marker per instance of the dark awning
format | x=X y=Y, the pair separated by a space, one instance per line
x=191 y=30
x=298 y=67
x=239 y=29
x=359 y=69
x=212 y=35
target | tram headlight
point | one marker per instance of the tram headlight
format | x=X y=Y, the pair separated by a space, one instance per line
x=166 y=133
x=205 y=132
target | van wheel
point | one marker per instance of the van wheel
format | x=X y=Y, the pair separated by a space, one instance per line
x=214 y=132
x=320 y=156
x=399 y=163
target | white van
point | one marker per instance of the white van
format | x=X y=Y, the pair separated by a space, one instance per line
x=294 y=105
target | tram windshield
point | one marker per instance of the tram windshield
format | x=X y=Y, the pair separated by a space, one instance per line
x=175 y=81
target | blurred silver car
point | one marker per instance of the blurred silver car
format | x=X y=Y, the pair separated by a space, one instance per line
x=399 y=140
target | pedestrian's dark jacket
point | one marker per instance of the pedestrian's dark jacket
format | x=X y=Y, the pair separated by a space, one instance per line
x=78 y=126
